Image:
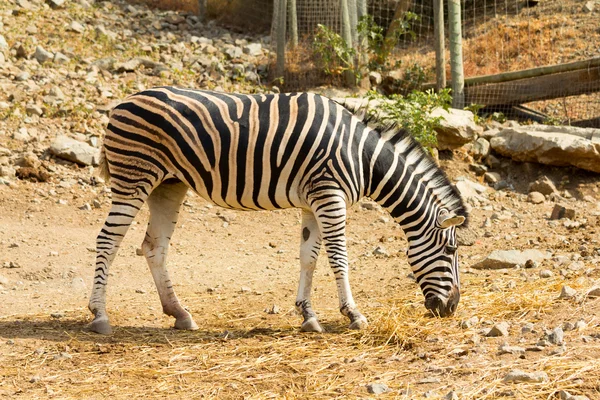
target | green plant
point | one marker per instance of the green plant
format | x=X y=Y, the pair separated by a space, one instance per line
x=379 y=44
x=474 y=108
x=335 y=55
x=413 y=113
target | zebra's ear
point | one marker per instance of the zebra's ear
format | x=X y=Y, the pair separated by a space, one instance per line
x=448 y=220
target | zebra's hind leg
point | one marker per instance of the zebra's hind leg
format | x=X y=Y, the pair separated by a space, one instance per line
x=330 y=212
x=164 y=203
x=309 y=251
x=108 y=241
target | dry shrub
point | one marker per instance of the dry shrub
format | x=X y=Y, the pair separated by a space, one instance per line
x=246 y=15
x=176 y=5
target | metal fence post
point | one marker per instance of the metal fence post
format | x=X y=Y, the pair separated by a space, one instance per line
x=349 y=77
x=293 y=22
x=456 y=55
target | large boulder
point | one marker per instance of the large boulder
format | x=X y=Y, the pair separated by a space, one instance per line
x=499 y=259
x=457 y=127
x=551 y=145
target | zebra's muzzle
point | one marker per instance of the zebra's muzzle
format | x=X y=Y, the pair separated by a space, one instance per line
x=441 y=307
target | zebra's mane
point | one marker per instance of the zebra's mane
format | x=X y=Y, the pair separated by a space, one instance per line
x=418 y=161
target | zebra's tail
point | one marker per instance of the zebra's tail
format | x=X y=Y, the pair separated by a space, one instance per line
x=103 y=170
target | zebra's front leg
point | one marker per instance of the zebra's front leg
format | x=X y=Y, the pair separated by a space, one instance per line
x=331 y=217
x=309 y=251
x=164 y=203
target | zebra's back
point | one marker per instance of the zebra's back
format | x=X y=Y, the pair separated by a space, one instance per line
x=238 y=151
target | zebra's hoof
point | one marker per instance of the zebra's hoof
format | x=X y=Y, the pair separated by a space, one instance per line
x=359 y=323
x=186 y=324
x=311 y=325
x=100 y=326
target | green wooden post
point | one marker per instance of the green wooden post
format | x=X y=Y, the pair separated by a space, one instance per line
x=440 y=48
x=456 y=55
x=281 y=37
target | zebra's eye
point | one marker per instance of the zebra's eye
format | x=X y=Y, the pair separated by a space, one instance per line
x=451 y=249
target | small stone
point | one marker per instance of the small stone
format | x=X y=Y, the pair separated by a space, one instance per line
x=34 y=110
x=546 y=273
x=35 y=379
x=536 y=198
x=273 y=310
x=518 y=376
x=76 y=27
x=234 y=52
x=60 y=58
x=375 y=78
x=78 y=284
x=589 y=6
x=381 y=251
x=86 y=207
x=499 y=329
x=140 y=291
x=492 y=177
x=506 y=349
x=567 y=293
x=245 y=289
x=594 y=292
x=56 y=4
x=544 y=186
x=451 y=396
x=580 y=325
x=560 y=212
x=469 y=322
x=57 y=315
x=556 y=336
x=96 y=203
x=253 y=49
x=377 y=388
x=527 y=328
x=41 y=55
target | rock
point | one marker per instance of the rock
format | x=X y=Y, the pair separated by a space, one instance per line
x=500 y=329
x=33 y=109
x=546 y=273
x=60 y=58
x=471 y=190
x=527 y=328
x=42 y=55
x=518 y=376
x=556 y=336
x=253 y=49
x=273 y=310
x=457 y=127
x=377 y=388
x=560 y=212
x=35 y=379
x=76 y=27
x=451 y=396
x=233 y=52
x=380 y=251
x=466 y=236
x=469 y=322
x=28 y=160
x=551 y=145
x=75 y=151
x=589 y=6
x=543 y=185
x=567 y=293
x=175 y=19
x=56 y=4
x=492 y=177
x=506 y=349
x=594 y=292
x=536 y=198
x=564 y=395
x=3 y=43
x=3 y=280
x=78 y=284
x=480 y=149
x=375 y=78
x=499 y=259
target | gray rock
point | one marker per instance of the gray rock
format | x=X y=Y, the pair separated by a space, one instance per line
x=78 y=284
x=506 y=349
x=60 y=58
x=481 y=149
x=543 y=185
x=527 y=328
x=106 y=64
x=457 y=127
x=560 y=146
x=381 y=251
x=546 y=273
x=22 y=76
x=41 y=55
x=56 y=4
x=499 y=329
x=377 y=388
x=567 y=293
x=556 y=336
x=3 y=43
x=536 y=198
x=375 y=78
x=560 y=212
x=3 y=280
x=253 y=49
x=451 y=396
x=33 y=109
x=519 y=376
x=499 y=259
x=76 y=27
x=75 y=151
x=471 y=190
x=233 y=52
x=589 y=6
x=564 y=395
x=469 y=322
x=492 y=177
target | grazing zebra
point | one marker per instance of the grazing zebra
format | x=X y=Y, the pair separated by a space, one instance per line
x=265 y=152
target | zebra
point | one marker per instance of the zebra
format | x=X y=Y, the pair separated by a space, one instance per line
x=266 y=152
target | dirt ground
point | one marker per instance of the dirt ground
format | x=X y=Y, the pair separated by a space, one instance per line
x=231 y=269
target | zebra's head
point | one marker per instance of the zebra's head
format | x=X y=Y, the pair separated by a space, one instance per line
x=434 y=261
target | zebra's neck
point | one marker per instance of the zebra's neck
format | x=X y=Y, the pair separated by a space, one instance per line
x=408 y=183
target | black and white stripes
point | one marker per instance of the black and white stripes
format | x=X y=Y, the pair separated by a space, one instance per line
x=264 y=152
